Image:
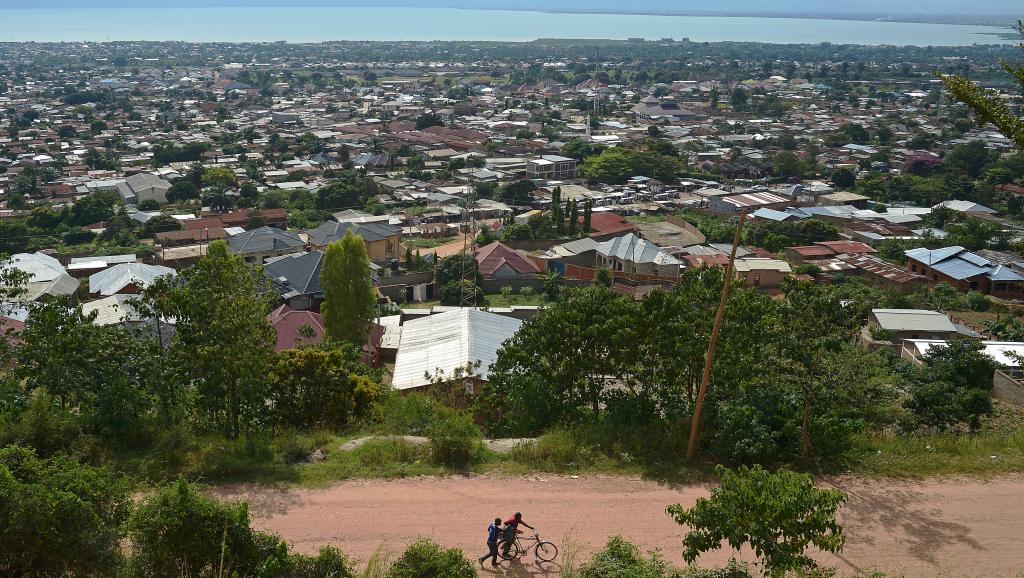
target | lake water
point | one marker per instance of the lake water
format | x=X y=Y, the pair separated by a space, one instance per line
x=311 y=24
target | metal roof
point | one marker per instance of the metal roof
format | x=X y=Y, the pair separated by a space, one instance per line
x=262 y=240
x=913 y=320
x=449 y=340
x=112 y=280
x=631 y=248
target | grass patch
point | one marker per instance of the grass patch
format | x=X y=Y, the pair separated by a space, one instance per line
x=499 y=300
x=385 y=458
x=921 y=456
x=426 y=242
x=646 y=218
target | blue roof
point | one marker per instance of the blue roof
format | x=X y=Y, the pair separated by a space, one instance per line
x=959 y=263
x=933 y=256
x=959 y=269
x=1004 y=273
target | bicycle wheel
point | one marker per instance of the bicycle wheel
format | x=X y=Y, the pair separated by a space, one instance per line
x=513 y=551
x=546 y=551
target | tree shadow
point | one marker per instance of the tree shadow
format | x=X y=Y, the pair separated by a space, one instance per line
x=519 y=569
x=925 y=529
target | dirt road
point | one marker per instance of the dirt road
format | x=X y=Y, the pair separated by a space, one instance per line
x=945 y=527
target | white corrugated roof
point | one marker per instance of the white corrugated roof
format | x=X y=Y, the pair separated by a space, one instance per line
x=913 y=319
x=447 y=341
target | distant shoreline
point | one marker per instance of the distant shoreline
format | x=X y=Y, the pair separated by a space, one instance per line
x=948 y=19
x=997 y=21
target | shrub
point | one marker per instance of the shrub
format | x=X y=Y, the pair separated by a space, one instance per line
x=44 y=425
x=621 y=559
x=734 y=569
x=454 y=439
x=556 y=450
x=180 y=532
x=314 y=387
x=977 y=301
x=425 y=559
x=58 y=517
x=410 y=414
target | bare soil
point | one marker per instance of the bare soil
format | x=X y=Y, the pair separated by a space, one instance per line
x=956 y=527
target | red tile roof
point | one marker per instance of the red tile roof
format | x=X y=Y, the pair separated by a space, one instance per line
x=286 y=323
x=491 y=257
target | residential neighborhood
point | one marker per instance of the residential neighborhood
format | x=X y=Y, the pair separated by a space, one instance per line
x=261 y=299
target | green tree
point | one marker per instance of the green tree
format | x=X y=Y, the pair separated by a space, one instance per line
x=161 y=224
x=315 y=387
x=954 y=386
x=427 y=120
x=349 y=296
x=974 y=234
x=93 y=208
x=100 y=372
x=223 y=340
x=787 y=164
x=451 y=269
x=779 y=515
x=182 y=190
x=970 y=158
x=556 y=210
x=573 y=213
x=843 y=178
x=14 y=237
x=739 y=99
x=987 y=104
x=59 y=517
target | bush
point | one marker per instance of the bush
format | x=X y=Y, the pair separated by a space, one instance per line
x=425 y=559
x=43 y=425
x=454 y=439
x=621 y=559
x=734 y=569
x=556 y=450
x=180 y=532
x=58 y=517
x=316 y=387
x=977 y=301
x=411 y=414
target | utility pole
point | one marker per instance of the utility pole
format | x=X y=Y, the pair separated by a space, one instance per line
x=467 y=292
x=710 y=356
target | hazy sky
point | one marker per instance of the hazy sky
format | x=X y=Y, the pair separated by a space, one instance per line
x=964 y=7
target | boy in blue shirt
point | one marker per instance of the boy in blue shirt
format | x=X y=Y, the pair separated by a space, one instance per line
x=493 y=533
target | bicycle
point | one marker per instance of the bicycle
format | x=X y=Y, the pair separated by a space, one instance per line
x=544 y=551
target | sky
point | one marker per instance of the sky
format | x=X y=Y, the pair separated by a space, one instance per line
x=778 y=7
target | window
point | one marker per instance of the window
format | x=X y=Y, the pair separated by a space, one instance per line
x=757 y=279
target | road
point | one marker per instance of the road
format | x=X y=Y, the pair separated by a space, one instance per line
x=962 y=527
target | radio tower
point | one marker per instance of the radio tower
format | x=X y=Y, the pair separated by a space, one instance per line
x=467 y=296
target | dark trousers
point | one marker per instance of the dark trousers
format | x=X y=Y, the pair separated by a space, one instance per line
x=492 y=553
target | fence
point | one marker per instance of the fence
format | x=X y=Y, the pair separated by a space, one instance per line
x=1006 y=386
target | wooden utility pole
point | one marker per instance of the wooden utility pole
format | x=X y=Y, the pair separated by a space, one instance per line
x=709 y=357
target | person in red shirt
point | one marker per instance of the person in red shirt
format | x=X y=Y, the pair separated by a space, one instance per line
x=514 y=522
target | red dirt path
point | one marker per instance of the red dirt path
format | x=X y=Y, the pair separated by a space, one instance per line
x=939 y=527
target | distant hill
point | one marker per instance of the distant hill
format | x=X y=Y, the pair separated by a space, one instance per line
x=862 y=8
